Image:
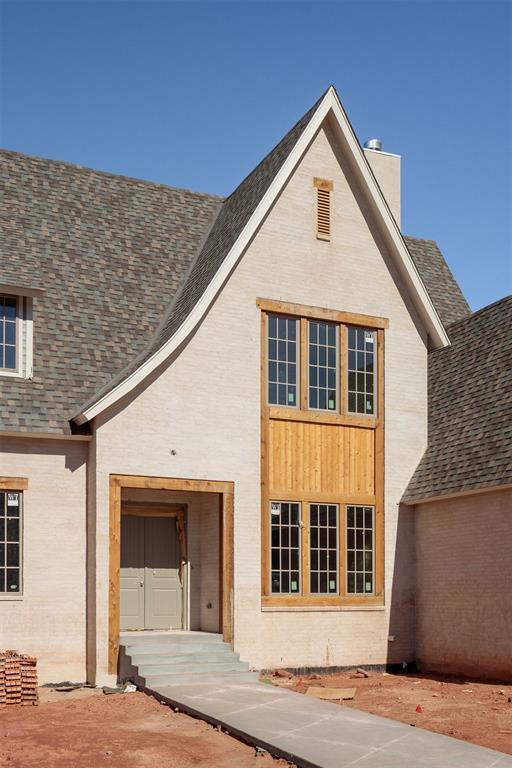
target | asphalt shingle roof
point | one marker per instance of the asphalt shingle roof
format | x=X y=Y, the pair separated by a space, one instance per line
x=122 y=263
x=234 y=214
x=443 y=289
x=110 y=253
x=470 y=408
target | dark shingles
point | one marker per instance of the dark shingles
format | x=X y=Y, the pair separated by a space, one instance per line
x=438 y=279
x=110 y=253
x=123 y=263
x=234 y=214
x=470 y=407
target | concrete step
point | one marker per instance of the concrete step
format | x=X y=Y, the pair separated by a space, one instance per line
x=169 y=659
x=196 y=668
x=175 y=649
x=138 y=659
x=131 y=638
x=181 y=679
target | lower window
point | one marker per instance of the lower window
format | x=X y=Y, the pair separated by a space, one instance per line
x=321 y=570
x=10 y=542
x=360 y=550
x=323 y=549
x=285 y=547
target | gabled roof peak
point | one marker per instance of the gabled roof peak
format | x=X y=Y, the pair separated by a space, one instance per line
x=239 y=217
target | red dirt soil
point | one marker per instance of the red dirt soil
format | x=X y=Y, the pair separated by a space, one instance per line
x=129 y=730
x=472 y=711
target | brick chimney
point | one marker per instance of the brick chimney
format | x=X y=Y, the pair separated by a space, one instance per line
x=386 y=169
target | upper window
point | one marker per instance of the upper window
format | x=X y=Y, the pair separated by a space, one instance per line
x=323 y=365
x=10 y=542
x=8 y=333
x=361 y=370
x=282 y=360
x=306 y=370
x=16 y=330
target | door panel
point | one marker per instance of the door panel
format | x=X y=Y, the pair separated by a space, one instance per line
x=163 y=593
x=132 y=572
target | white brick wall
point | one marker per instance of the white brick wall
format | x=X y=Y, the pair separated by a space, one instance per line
x=49 y=620
x=464 y=585
x=205 y=406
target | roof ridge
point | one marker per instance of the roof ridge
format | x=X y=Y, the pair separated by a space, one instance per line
x=422 y=239
x=281 y=141
x=482 y=310
x=109 y=174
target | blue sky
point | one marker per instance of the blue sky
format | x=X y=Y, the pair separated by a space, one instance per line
x=193 y=94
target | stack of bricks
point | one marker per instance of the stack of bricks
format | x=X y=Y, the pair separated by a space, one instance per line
x=18 y=678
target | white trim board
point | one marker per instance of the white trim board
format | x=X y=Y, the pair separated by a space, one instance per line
x=406 y=267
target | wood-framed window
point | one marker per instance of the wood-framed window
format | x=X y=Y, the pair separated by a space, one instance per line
x=322 y=456
x=282 y=354
x=16 y=334
x=321 y=363
x=9 y=333
x=321 y=549
x=11 y=507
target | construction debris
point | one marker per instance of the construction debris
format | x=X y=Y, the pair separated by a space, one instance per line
x=331 y=694
x=18 y=679
x=362 y=672
x=282 y=673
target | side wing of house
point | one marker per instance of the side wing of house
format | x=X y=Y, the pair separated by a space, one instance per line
x=304 y=386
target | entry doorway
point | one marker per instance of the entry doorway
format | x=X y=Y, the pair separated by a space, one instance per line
x=207 y=572
x=152 y=569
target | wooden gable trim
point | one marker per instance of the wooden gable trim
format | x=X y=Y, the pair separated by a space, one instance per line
x=398 y=250
x=13 y=483
x=321 y=313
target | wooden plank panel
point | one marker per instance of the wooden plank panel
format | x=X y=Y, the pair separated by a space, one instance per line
x=322 y=417
x=227 y=566
x=379 y=472
x=114 y=574
x=13 y=483
x=320 y=458
x=321 y=313
x=172 y=483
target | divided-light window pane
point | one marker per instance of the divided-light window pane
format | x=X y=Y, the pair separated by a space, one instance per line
x=285 y=547
x=8 y=332
x=282 y=360
x=10 y=542
x=360 y=550
x=323 y=548
x=322 y=365
x=362 y=349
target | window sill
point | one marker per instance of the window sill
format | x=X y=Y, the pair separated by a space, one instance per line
x=10 y=598
x=272 y=603
x=317 y=608
x=322 y=417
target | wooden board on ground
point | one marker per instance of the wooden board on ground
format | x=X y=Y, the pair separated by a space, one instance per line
x=331 y=694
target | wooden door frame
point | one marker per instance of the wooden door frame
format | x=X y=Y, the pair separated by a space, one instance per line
x=225 y=490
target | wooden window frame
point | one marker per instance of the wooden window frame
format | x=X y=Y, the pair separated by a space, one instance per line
x=303 y=413
x=15 y=485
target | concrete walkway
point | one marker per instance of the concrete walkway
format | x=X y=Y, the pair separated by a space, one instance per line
x=320 y=734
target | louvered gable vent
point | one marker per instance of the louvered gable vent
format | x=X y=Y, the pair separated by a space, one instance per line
x=323 y=208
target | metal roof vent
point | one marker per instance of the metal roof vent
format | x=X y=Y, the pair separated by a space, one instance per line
x=375 y=144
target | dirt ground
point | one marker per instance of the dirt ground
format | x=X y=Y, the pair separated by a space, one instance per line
x=88 y=729
x=473 y=711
